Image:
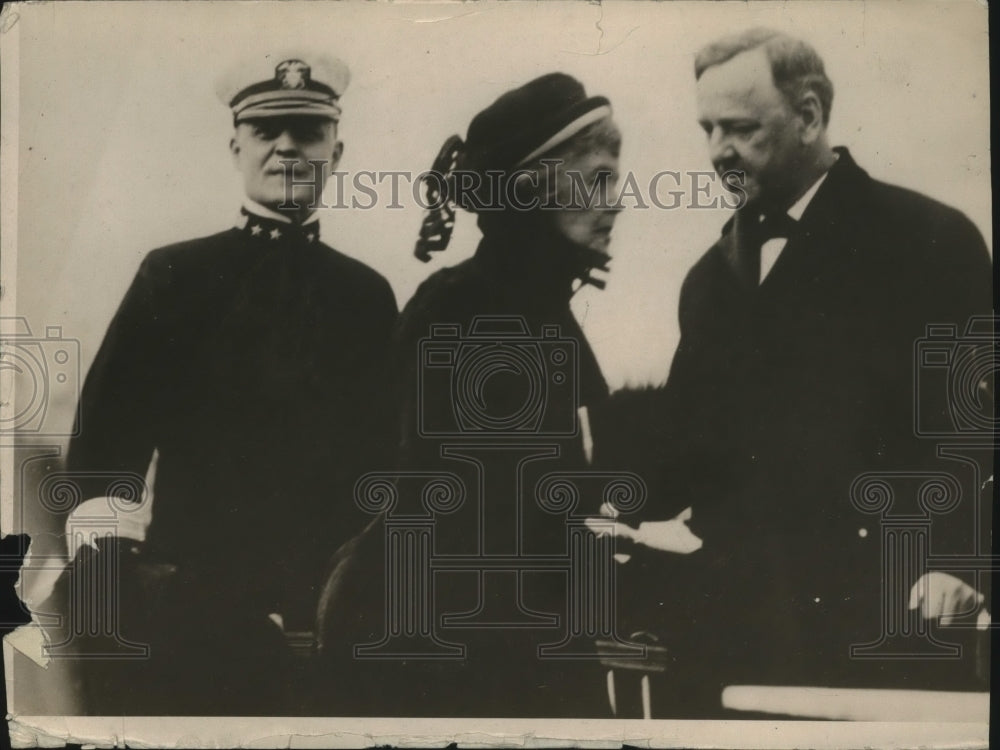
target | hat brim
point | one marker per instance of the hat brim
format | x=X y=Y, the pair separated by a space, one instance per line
x=492 y=151
x=257 y=113
x=285 y=103
x=597 y=110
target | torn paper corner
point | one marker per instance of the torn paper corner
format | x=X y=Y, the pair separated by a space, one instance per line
x=27 y=736
x=33 y=585
x=32 y=641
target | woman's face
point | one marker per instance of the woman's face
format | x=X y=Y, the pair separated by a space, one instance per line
x=586 y=197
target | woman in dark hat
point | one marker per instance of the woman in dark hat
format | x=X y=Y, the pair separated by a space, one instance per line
x=538 y=168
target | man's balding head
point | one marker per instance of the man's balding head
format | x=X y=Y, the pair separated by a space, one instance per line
x=795 y=65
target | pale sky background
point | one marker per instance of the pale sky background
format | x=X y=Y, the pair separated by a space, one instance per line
x=122 y=145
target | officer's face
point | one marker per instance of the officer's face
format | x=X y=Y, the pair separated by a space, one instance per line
x=260 y=147
x=588 y=193
x=751 y=127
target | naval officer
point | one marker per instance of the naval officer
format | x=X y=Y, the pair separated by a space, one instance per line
x=249 y=363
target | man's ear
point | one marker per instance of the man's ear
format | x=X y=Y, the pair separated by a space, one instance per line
x=234 y=150
x=338 y=151
x=810 y=112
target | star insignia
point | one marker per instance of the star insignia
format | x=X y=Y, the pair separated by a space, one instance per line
x=275 y=233
x=310 y=236
x=255 y=229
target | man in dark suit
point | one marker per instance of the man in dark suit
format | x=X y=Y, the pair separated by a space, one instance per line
x=794 y=376
x=251 y=364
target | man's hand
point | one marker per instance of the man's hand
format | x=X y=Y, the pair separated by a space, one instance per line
x=666 y=536
x=940 y=595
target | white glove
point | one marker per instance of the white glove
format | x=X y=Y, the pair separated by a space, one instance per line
x=666 y=536
x=940 y=595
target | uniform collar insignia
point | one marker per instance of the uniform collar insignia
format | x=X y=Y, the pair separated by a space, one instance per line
x=265 y=227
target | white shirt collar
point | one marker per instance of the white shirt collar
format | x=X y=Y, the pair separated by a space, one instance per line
x=802 y=203
x=256 y=208
x=773 y=247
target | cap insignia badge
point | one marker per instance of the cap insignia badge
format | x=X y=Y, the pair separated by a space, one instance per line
x=292 y=74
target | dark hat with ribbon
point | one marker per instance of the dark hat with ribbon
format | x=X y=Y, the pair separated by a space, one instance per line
x=519 y=127
x=525 y=123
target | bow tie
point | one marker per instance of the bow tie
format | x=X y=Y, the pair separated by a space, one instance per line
x=774 y=226
x=746 y=261
x=273 y=231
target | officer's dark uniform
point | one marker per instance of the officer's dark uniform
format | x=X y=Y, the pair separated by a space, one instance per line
x=252 y=362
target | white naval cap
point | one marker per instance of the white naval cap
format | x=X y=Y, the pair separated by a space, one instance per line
x=293 y=82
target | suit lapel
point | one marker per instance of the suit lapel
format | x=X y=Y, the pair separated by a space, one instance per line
x=814 y=253
x=730 y=247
